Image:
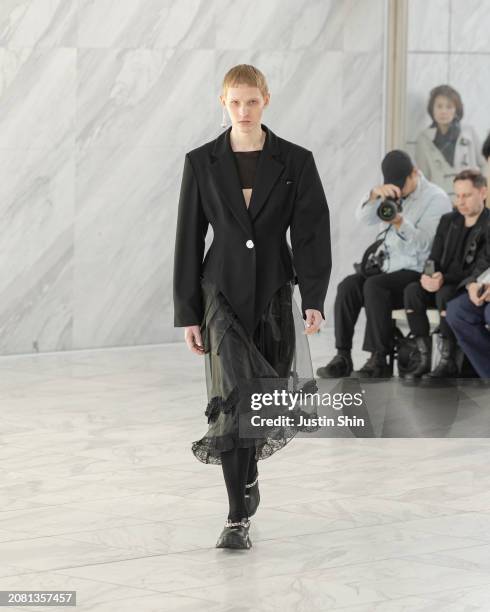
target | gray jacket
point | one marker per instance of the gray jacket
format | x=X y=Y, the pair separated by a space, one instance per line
x=434 y=165
x=409 y=247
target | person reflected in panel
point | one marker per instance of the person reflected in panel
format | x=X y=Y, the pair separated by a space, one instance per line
x=448 y=145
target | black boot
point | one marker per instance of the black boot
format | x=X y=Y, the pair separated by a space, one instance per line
x=447 y=367
x=375 y=367
x=235 y=535
x=424 y=346
x=340 y=366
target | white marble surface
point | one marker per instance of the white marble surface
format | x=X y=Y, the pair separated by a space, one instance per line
x=448 y=43
x=99 y=102
x=428 y=25
x=101 y=494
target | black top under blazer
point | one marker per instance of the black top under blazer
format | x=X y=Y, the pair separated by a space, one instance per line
x=249 y=258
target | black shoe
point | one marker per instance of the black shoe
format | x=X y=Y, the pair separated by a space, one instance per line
x=424 y=346
x=447 y=367
x=252 y=497
x=235 y=535
x=339 y=367
x=375 y=367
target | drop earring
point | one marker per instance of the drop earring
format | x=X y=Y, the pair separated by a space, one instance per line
x=223 y=119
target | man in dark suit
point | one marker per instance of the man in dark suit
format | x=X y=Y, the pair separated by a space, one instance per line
x=460 y=239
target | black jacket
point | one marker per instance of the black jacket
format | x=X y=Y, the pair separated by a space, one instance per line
x=249 y=258
x=482 y=263
x=446 y=238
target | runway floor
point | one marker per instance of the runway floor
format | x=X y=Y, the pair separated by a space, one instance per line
x=101 y=494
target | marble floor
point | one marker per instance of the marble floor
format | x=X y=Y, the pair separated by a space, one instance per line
x=101 y=494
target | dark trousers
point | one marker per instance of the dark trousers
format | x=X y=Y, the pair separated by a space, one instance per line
x=379 y=295
x=471 y=324
x=418 y=299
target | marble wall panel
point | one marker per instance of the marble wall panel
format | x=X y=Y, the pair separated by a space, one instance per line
x=100 y=101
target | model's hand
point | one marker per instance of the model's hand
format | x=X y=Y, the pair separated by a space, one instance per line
x=193 y=339
x=473 y=289
x=486 y=294
x=385 y=191
x=432 y=283
x=313 y=321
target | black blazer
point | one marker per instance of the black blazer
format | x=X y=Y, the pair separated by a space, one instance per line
x=445 y=240
x=249 y=258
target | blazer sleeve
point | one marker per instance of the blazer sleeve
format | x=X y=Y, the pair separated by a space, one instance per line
x=310 y=238
x=192 y=227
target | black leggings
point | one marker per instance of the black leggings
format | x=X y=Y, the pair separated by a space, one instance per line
x=239 y=468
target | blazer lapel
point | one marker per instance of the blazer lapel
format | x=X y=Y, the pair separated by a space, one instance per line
x=269 y=168
x=453 y=230
x=225 y=173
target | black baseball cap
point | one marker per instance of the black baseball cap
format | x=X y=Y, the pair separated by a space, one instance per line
x=396 y=166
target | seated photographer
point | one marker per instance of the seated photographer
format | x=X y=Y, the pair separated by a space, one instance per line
x=460 y=239
x=469 y=314
x=408 y=235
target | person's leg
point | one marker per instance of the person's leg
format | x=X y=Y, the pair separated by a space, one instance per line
x=468 y=323
x=235 y=534
x=417 y=300
x=443 y=296
x=252 y=494
x=382 y=294
x=486 y=316
x=447 y=366
x=252 y=468
x=348 y=304
x=235 y=464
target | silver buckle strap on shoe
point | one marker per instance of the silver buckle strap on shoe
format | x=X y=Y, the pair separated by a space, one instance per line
x=248 y=486
x=242 y=523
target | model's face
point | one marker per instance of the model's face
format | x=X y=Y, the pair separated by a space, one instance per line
x=245 y=106
x=410 y=183
x=469 y=200
x=444 y=110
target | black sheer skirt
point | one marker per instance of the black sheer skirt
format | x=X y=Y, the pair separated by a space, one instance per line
x=278 y=349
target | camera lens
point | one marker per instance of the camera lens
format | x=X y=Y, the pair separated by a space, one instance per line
x=387 y=210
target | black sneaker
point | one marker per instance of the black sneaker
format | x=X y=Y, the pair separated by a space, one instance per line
x=235 y=535
x=340 y=366
x=375 y=367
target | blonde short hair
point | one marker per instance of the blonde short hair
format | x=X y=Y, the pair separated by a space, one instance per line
x=247 y=75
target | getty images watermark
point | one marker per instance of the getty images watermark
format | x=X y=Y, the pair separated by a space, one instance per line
x=283 y=400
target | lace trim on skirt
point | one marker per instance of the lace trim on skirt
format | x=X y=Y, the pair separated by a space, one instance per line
x=279 y=348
